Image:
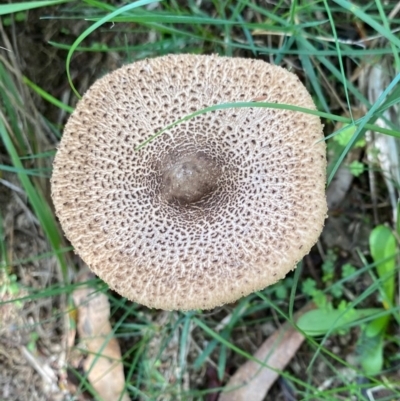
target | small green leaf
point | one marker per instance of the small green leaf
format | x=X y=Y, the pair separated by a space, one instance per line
x=356 y=168
x=336 y=290
x=309 y=287
x=320 y=299
x=281 y=292
x=348 y=270
x=344 y=136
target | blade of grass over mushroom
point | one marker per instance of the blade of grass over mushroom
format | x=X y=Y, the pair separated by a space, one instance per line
x=96 y=25
x=272 y=106
x=39 y=204
x=28 y=5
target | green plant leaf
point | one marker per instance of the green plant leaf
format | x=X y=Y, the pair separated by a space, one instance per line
x=371 y=354
x=356 y=168
x=377 y=326
x=319 y=321
x=345 y=135
x=383 y=248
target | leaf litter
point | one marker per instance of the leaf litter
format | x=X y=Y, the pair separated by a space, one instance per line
x=103 y=363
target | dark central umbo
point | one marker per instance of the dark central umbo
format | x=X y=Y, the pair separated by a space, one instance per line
x=189 y=178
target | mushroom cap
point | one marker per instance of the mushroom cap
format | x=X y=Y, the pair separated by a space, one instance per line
x=218 y=206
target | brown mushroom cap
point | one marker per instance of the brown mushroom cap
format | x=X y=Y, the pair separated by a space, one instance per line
x=213 y=209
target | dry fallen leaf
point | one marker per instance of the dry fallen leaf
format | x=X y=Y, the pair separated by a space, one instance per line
x=253 y=381
x=103 y=364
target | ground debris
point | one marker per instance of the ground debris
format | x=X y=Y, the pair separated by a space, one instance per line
x=253 y=381
x=103 y=364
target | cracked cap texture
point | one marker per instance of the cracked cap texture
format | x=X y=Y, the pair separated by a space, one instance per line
x=218 y=206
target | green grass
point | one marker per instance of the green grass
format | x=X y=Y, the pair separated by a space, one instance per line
x=303 y=36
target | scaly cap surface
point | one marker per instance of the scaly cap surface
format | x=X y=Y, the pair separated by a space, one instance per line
x=216 y=207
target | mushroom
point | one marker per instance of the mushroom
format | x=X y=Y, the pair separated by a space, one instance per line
x=216 y=207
